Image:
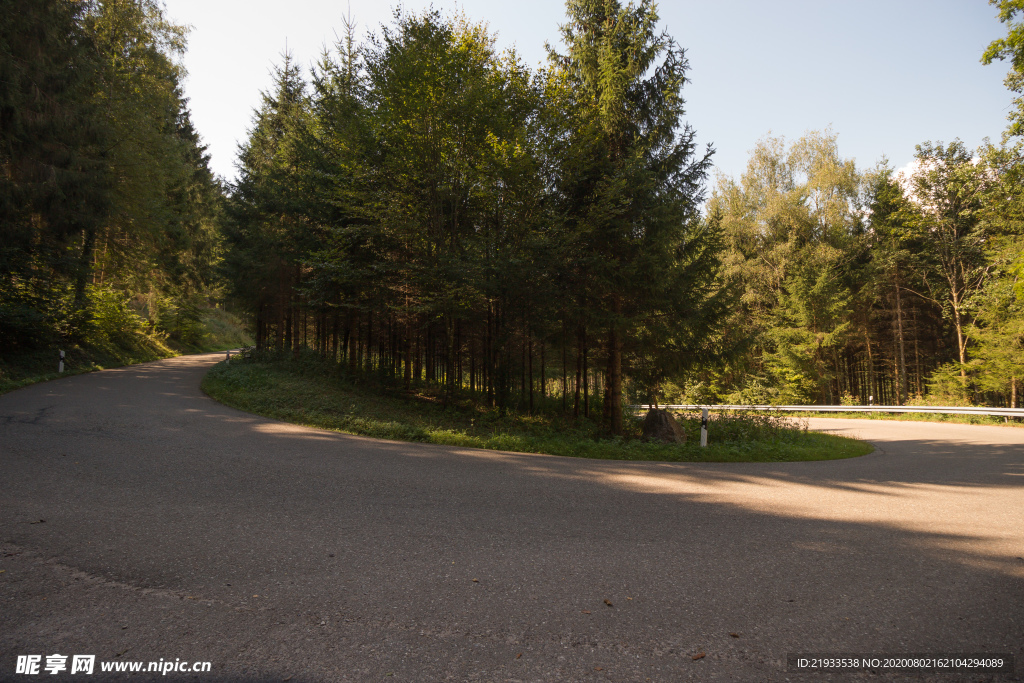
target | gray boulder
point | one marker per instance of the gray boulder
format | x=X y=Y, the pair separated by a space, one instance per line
x=660 y=425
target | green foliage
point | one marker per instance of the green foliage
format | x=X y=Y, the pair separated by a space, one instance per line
x=54 y=190
x=119 y=337
x=181 y=318
x=426 y=212
x=947 y=385
x=1010 y=48
x=643 y=265
x=998 y=328
x=113 y=319
x=223 y=330
x=867 y=286
x=794 y=232
x=812 y=321
x=106 y=193
x=31 y=313
x=430 y=204
x=948 y=190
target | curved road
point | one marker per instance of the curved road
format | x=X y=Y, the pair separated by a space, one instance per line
x=141 y=520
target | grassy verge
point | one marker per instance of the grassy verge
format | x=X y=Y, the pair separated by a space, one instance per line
x=918 y=417
x=221 y=331
x=309 y=393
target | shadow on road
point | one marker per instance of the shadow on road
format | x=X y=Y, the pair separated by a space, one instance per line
x=235 y=535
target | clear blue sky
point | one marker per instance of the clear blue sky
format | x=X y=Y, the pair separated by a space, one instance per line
x=884 y=74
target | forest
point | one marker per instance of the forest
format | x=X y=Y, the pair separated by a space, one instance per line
x=426 y=213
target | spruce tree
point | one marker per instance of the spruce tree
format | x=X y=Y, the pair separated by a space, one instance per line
x=631 y=187
x=264 y=234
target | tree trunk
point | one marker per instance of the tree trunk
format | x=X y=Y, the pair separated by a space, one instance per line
x=352 y=344
x=872 y=389
x=579 y=372
x=489 y=357
x=565 y=376
x=543 y=379
x=296 y=339
x=368 y=360
x=407 y=372
x=586 y=377
x=472 y=369
x=449 y=360
x=903 y=358
x=82 y=278
x=613 y=380
x=961 y=342
x=288 y=328
x=917 y=357
x=529 y=354
x=522 y=374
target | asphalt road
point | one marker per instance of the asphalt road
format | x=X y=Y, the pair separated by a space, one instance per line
x=141 y=520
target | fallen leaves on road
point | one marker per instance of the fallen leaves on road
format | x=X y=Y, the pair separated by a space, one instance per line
x=609 y=603
x=585 y=611
x=519 y=655
x=699 y=655
x=42 y=521
x=735 y=635
x=476 y=580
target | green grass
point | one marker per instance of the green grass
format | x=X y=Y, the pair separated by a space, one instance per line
x=311 y=393
x=221 y=331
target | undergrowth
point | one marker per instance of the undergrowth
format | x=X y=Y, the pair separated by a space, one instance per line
x=311 y=392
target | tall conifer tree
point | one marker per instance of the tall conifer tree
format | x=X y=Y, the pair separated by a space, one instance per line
x=631 y=187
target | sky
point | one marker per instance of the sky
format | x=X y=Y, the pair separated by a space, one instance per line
x=885 y=75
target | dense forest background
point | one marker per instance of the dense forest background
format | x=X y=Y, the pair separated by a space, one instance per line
x=109 y=209
x=429 y=214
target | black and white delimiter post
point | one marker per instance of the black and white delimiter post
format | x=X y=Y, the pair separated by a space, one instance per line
x=703 y=427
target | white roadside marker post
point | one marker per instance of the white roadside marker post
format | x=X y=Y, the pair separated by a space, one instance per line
x=60 y=365
x=703 y=427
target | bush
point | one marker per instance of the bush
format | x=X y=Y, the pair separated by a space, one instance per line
x=947 y=387
x=113 y=319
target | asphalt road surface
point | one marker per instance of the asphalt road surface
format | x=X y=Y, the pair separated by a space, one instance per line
x=140 y=521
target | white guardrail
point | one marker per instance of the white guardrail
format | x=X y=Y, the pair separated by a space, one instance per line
x=947 y=410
